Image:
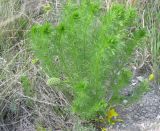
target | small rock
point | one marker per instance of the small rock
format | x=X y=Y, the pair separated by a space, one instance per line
x=158 y=117
x=125 y=101
x=140 y=78
x=141 y=105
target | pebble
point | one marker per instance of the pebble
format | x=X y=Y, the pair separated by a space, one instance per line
x=125 y=102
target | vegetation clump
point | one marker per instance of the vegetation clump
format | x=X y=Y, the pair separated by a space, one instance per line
x=88 y=52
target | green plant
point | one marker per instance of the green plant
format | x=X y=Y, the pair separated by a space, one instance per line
x=90 y=48
x=39 y=127
x=27 y=89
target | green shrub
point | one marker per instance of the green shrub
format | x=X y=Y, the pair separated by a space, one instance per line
x=90 y=48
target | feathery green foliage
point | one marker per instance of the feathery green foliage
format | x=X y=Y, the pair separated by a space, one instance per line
x=90 y=48
x=27 y=89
